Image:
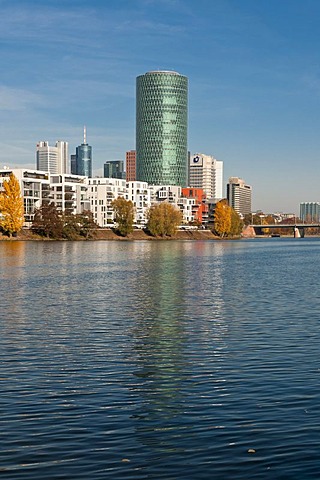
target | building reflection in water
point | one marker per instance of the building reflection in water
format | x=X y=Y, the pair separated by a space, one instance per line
x=178 y=312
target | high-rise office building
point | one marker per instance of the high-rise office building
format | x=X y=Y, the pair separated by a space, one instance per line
x=239 y=195
x=114 y=169
x=82 y=164
x=310 y=211
x=131 y=170
x=207 y=173
x=161 y=128
x=52 y=159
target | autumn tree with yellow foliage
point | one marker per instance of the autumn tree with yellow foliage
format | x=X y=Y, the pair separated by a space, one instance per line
x=123 y=215
x=163 y=220
x=236 y=224
x=11 y=206
x=222 y=219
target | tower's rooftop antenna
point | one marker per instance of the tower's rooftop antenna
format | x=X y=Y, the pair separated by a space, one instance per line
x=84 y=135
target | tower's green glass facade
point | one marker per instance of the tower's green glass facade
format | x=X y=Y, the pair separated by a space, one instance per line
x=162 y=128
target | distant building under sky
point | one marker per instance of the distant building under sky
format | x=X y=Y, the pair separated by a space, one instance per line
x=161 y=128
x=207 y=173
x=310 y=211
x=131 y=166
x=239 y=195
x=52 y=159
x=114 y=169
x=81 y=164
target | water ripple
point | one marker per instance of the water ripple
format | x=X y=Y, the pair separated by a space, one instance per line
x=159 y=360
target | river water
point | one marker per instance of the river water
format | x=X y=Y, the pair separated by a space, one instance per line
x=160 y=360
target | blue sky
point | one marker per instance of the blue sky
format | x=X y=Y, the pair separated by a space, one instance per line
x=254 y=83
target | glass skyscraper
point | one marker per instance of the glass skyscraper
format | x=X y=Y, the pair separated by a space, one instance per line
x=162 y=128
x=81 y=164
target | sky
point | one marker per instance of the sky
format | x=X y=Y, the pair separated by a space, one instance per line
x=254 y=83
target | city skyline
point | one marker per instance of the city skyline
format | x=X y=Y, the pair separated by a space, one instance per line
x=253 y=73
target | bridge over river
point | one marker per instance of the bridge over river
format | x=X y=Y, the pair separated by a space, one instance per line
x=297 y=228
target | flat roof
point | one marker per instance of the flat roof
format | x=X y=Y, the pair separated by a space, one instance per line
x=163 y=71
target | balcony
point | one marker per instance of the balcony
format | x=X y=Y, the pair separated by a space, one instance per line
x=69 y=196
x=70 y=203
x=46 y=194
x=69 y=189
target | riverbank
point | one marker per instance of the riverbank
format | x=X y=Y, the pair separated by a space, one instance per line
x=106 y=234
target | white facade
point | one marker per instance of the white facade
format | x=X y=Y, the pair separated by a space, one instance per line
x=167 y=193
x=53 y=159
x=35 y=189
x=140 y=196
x=206 y=172
x=73 y=194
x=69 y=193
x=186 y=206
x=101 y=193
x=63 y=157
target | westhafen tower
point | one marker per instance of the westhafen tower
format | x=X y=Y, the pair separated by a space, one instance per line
x=162 y=128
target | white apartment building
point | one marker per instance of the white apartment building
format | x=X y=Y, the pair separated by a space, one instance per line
x=69 y=193
x=167 y=193
x=35 y=189
x=140 y=196
x=54 y=160
x=206 y=172
x=239 y=195
x=187 y=206
x=173 y=195
x=73 y=194
x=101 y=192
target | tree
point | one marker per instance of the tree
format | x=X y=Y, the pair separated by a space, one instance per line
x=236 y=223
x=123 y=215
x=87 y=224
x=11 y=206
x=70 y=226
x=47 y=222
x=163 y=219
x=222 y=219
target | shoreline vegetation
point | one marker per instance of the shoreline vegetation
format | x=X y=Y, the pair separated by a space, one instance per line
x=110 y=234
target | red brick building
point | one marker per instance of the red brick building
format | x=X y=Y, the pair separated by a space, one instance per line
x=200 y=208
x=131 y=166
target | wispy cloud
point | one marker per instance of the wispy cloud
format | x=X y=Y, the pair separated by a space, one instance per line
x=17 y=99
x=46 y=24
x=83 y=26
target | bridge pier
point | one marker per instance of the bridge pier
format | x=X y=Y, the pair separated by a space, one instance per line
x=298 y=232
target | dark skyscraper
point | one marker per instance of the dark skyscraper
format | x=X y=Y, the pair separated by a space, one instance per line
x=161 y=128
x=114 y=169
x=83 y=158
x=73 y=164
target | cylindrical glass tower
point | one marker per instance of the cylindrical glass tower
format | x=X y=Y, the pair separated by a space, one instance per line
x=162 y=128
x=84 y=160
